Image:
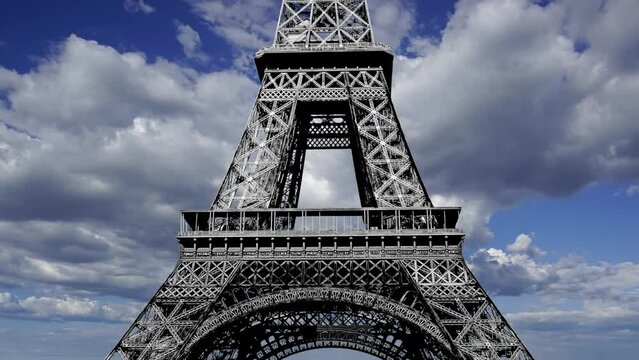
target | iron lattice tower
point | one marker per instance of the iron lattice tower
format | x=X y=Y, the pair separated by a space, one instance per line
x=259 y=278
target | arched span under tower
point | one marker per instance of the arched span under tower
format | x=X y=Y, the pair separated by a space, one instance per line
x=266 y=328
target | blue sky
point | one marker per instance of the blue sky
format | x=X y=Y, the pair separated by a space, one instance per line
x=116 y=114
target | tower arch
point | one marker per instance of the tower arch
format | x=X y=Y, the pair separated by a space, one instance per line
x=278 y=325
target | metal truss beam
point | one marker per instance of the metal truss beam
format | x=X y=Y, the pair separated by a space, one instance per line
x=284 y=330
x=323 y=23
x=386 y=172
x=437 y=296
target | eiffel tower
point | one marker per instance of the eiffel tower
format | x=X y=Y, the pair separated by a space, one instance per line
x=259 y=278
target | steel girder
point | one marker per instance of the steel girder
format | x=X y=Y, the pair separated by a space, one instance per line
x=283 y=330
x=323 y=23
x=438 y=296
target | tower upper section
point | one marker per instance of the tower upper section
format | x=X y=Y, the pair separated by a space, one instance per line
x=324 y=34
x=322 y=24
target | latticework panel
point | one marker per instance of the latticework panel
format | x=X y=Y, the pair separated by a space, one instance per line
x=387 y=176
x=287 y=329
x=438 y=295
x=175 y=311
x=222 y=319
x=321 y=23
x=391 y=171
x=325 y=272
x=252 y=177
x=325 y=132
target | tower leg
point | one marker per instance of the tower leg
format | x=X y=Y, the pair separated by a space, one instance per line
x=175 y=311
x=464 y=310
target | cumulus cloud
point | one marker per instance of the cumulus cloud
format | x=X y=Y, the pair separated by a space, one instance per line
x=329 y=180
x=125 y=134
x=567 y=305
x=524 y=245
x=65 y=308
x=190 y=41
x=516 y=272
x=393 y=20
x=138 y=6
x=474 y=217
x=247 y=24
x=530 y=111
x=79 y=258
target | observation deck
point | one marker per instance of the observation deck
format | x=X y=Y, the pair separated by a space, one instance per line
x=280 y=57
x=277 y=232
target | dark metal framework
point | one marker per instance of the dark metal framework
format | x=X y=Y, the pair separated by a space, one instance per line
x=259 y=278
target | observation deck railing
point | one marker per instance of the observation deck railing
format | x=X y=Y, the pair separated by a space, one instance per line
x=330 y=46
x=306 y=222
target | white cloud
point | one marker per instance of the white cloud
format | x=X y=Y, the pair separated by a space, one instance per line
x=392 y=20
x=511 y=273
x=81 y=258
x=564 y=305
x=124 y=132
x=475 y=214
x=138 y=6
x=65 y=308
x=528 y=115
x=247 y=24
x=608 y=29
x=632 y=190
x=523 y=245
x=329 y=180
x=190 y=41
x=516 y=272
x=250 y=24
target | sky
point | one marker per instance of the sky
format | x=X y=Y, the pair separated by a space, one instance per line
x=114 y=115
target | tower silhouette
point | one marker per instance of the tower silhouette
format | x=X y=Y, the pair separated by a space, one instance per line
x=259 y=278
